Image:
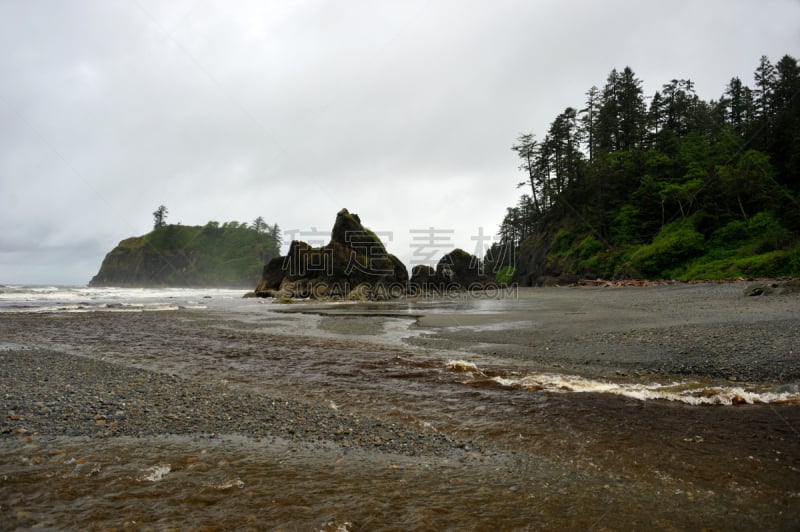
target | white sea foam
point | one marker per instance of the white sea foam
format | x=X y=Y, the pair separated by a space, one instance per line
x=686 y=392
x=234 y=482
x=463 y=366
x=78 y=299
x=155 y=473
x=336 y=526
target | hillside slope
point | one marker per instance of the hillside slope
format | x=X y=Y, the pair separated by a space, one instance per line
x=230 y=255
x=669 y=186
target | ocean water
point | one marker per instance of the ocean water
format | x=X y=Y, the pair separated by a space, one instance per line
x=21 y=298
x=547 y=450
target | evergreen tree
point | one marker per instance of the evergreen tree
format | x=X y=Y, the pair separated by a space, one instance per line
x=679 y=101
x=621 y=120
x=259 y=225
x=527 y=149
x=275 y=234
x=607 y=126
x=160 y=217
x=786 y=85
x=764 y=88
x=589 y=120
x=631 y=110
x=655 y=118
x=785 y=139
x=562 y=145
x=673 y=177
x=738 y=104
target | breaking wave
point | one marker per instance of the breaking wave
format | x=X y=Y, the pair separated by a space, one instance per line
x=692 y=393
x=155 y=473
x=463 y=366
x=75 y=299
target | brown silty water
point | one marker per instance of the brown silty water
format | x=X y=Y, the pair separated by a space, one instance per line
x=534 y=457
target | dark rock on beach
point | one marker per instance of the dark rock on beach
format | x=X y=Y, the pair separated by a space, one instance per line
x=353 y=265
x=423 y=276
x=773 y=288
x=457 y=270
x=273 y=275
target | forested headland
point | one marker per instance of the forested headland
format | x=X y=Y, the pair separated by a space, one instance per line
x=231 y=254
x=667 y=186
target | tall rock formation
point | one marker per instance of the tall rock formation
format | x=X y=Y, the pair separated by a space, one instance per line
x=353 y=265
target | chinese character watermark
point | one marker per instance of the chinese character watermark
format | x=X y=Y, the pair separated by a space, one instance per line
x=426 y=243
x=304 y=257
x=367 y=254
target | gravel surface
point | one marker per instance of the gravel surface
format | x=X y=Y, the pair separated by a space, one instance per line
x=710 y=330
x=51 y=393
x=752 y=352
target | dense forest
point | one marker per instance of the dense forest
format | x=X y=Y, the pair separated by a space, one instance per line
x=667 y=186
x=231 y=254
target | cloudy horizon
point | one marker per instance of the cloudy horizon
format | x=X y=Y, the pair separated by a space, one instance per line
x=403 y=113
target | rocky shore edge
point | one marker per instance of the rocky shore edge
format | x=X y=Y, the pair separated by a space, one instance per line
x=755 y=286
x=49 y=393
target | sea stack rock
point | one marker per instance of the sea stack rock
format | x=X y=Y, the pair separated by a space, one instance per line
x=457 y=270
x=353 y=265
x=461 y=268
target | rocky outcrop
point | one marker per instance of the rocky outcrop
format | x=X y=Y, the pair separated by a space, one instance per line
x=461 y=268
x=353 y=265
x=131 y=263
x=536 y=265
x=423 y=277
x=457 y=270
x=791 y=286
x=532 y=266
x=273 y=275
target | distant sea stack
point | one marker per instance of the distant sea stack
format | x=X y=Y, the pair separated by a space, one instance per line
x=230 y=255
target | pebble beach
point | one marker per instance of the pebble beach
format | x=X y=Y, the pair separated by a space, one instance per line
x=50 y=393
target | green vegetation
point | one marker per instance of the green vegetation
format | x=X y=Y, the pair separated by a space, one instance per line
x=674 y=245
x=667 y=187
x=229 y=255
x=505 y=275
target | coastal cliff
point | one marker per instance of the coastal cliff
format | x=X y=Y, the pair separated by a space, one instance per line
x=227 y=255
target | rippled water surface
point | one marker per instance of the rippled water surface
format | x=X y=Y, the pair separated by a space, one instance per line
x=235 y=483
x=538 y=455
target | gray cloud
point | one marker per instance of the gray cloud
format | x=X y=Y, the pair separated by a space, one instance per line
x=403 y=112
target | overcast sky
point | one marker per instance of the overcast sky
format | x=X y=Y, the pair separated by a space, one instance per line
x=403 y=112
